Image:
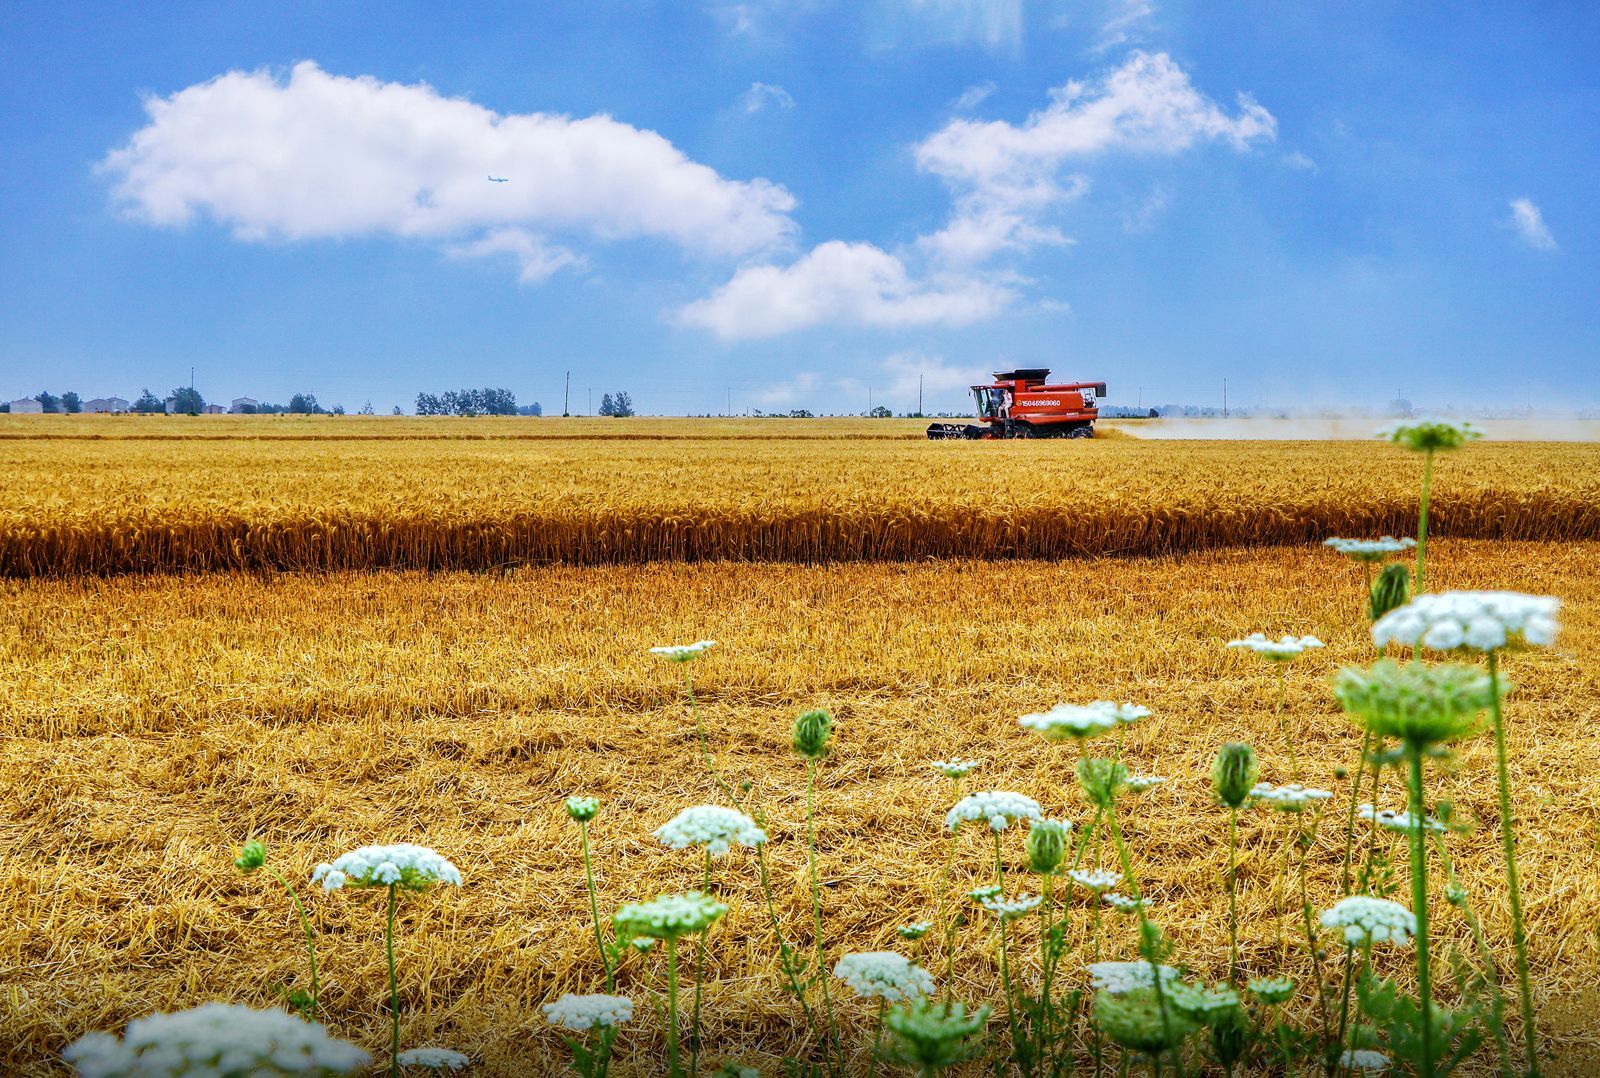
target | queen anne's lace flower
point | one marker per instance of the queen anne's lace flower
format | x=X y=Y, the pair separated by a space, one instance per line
x=403 y=865
x=1080 y=721
x=1124 y=904
x=1119 y=977
x=437 y=1059
x=915 y=930
x=1009 y=909
x=1141 y=783
x=1364 y=1059
x=1470 y=621
x=1397 y=820
x=597 y=1011
x=1291 y=797
x=884 y=975
x=1370 y=549
x=1282 y=650
x=583 y=809
x=214 y=1038
x=1370 y=920
x=1271 y=990
x=668 y=917
x=682 y=653
x=955 y=768
x=712 y=826
x=998 y=808
x=1096 y=880
x=1428 y=433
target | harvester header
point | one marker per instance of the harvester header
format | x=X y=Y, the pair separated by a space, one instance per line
x=1025 y=404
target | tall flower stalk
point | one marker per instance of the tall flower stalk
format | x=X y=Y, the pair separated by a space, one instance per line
x=1280 y=653
x=668 y=918
x=955 y=769
x=1233 y=778
x=809 y=738
x=1487 y=622
x=397 y=868
x=253 y=856
x=1428 y=436
x=683 y=655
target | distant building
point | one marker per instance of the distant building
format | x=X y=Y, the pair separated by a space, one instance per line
x=241 y=403
x=214 y=409
x=101 y=405
x=26 y=406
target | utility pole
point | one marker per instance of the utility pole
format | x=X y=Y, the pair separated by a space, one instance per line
x=869 y=400
x=1141 y=398
x=590 y=409
x=919 y=395
x=191 y=377
x=1224 y=398
x=566 y=395
x=730 y=401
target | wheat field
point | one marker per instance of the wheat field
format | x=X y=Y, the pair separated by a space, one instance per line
x=154 y=724
x=98 y=495
x=321 y=672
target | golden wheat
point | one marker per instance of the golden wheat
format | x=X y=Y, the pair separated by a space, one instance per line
x=153 y=724
x=116 y=505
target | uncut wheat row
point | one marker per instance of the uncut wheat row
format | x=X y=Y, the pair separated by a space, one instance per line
x=107 y=507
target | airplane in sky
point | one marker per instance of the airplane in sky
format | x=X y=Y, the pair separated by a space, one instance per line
x=497 y=179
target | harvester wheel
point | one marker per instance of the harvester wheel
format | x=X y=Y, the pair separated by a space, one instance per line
x=1081 y=432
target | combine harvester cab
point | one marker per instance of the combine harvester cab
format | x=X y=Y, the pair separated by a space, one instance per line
x=1022 y=404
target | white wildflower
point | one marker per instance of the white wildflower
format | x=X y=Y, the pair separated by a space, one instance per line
x=667 y=917
x=1079 y=721
x=215 y=1038
x=1471 y=620
x=1010 y=909
x=1370 y=920
x=884 y=975
x=1141 y=783
x=1364 y=1059
x=598 y=1011
x=437 y=1059
x=712 y=826
x=954 y=768
x=682 y=653
x=1126 y=714
x=1291 y=797
x=1397 y=820
x=1370 y=549
x=1096 y=880
x=409 y=867
x=1282 y=650
x=915 y=930
x=1118 y=978
x=998 y=808
x=1123 y=903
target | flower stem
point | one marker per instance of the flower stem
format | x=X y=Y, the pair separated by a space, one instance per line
x=877 y=1039
x=1419 y=902
x=1508 y=837
x=785 y=955
x=311 y=937
x=1283 y=722
x=1149 y=956
x=705 y=746
x=947 y=913
x=673 y=1069
x=594 y=905
x=1497 y=1003
x=1005 y=963
x=699 y=977
x=1306 y=841
x=1350 y=818
x=1233 y=895
x=816 y=907
x=1422 y=517
x=394 y=992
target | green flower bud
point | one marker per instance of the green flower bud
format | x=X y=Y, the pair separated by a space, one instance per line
x=811 y=733
x=1047 y=845
x=1101 y=780
x=1390 y=591
x=1422 y=706
x=1136 y=1021
x=1230 y=1036
x=930 y=1036
x=1234 y=773
x=583 y=809
x=252 y=855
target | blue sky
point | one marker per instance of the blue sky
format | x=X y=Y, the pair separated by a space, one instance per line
x=798 y=204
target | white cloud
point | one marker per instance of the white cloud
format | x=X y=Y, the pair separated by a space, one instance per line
x=837 y=282
x=1530 y=226
x=1124 y=23
x=783 y=394
x=994 y=24
x=316 y=155
x=1007 y=175
x=762 y=94
x=906 y=368
x=973 y=96
x=536 y=259
x=1143 y=217
x=1301 y=161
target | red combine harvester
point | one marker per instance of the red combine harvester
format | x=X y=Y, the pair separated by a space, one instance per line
x=1020 y=404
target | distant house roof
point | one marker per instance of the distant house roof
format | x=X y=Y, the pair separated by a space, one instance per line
x=213 y=409
x=26 y=404
x=244 y=400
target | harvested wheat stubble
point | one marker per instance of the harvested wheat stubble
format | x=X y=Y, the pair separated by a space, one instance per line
x=154 y=724
x=108 y=507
